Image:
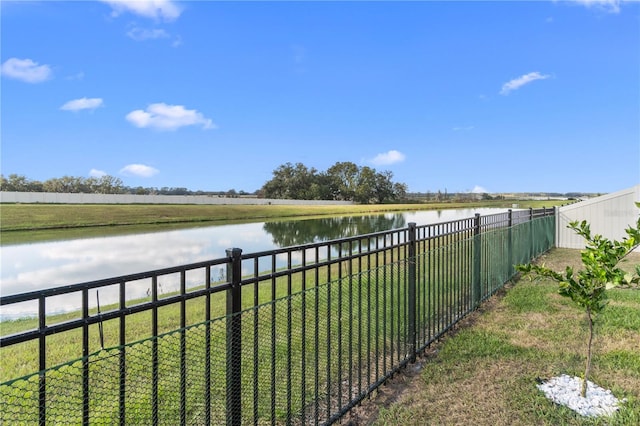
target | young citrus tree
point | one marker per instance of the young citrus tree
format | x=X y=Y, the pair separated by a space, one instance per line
x=587 y=288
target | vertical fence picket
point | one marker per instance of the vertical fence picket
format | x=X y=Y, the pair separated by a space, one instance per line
x=85 y=357
x=183 y=350
x=207 y=348
x=316 y=343
x=289 y=331
x=329 y=346
x=477 y=262
x=154 y=352
x=303 y=329
x=510 y=265
x=273 y=340
x=42 y=361
x=234 y=338
x=411 y=299
x=122 y=341
x=256 y=336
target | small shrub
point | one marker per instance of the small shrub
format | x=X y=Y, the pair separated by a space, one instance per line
x=587 y=288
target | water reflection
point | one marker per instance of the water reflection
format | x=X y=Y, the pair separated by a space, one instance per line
x=36 y=266
x=29 y=267
x=292 y=233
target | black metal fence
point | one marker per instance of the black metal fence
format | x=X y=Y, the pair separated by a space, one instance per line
x=297 y=335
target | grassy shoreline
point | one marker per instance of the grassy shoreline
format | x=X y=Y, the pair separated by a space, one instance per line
x=37 y=222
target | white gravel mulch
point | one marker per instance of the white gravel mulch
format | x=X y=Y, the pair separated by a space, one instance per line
x=565 y=390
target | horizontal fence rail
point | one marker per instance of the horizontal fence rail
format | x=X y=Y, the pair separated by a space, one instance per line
x=246 y=340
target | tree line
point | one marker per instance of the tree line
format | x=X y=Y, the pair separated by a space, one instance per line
x=96 y=185
x=342 y=181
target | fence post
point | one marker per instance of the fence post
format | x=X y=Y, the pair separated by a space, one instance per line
x=510 y=246
x=556 y=218
x=476 y=290
x=531 y=238
x=42 y=353
x=412 y=291
x=234 y=338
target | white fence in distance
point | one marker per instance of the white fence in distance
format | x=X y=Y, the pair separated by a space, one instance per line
x=68 y=198
x=608 y=215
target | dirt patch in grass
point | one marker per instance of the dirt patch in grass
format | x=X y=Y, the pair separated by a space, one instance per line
x=624 y=340
x=559 y=258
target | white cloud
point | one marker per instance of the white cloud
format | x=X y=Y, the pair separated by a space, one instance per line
x=159 y=10
x=611 y=6
x=168 y=117
x=479 y=190
x=516 y=83
x=97 y=173
x=82 y=103
x=139 y=170
x=387 y=158
x=141 y=34
x=26 y=70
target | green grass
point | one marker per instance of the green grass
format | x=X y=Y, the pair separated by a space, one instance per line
x=283 y=332
x=39 y=222
x=485 y=373
x=349 y=346
x=357 y=325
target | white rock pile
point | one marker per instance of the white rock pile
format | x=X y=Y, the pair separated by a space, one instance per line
x=565 y=390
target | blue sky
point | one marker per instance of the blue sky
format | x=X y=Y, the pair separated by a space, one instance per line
x=458 y=96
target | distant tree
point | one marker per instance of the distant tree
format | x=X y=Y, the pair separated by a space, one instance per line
x=366 y=185
x=321 y=188
x=400 y=191
x=278 y=186
x=19 y=183
x=293 y=182
x=65 y=184
x=344 y=180
x=384 y=190
x=140 y=191
x=108 y=185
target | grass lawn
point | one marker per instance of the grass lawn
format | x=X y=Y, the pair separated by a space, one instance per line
x=485 y=373
x=21 y=223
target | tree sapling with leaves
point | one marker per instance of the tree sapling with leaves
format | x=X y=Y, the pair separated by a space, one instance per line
x=587 y=288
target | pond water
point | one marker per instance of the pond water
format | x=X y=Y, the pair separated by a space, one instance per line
x=36 y=266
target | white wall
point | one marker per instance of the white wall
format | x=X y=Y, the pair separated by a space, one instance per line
x=608 y=215
x=58 y=198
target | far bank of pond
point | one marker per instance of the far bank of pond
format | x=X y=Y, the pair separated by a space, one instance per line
x=36 y=266
x=23 y=223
